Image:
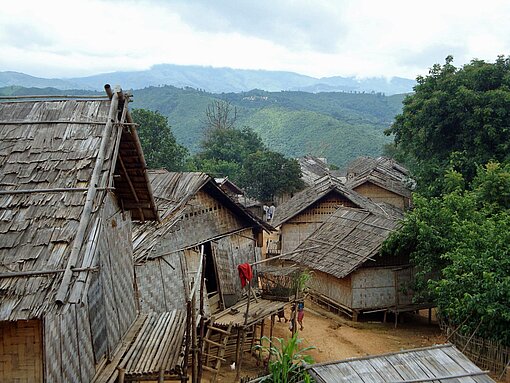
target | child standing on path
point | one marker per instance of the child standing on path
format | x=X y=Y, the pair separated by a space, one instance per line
x=300 y=314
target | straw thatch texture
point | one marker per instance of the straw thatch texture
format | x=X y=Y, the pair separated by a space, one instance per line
x=383 y=172
x=322 y=187
x=51 y=145
x=312 y=168
x=345 y=241
x=440 y=364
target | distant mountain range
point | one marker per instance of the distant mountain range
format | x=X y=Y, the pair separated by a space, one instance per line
x=215 y=80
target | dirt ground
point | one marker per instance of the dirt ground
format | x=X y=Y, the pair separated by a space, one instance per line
x=335 y=337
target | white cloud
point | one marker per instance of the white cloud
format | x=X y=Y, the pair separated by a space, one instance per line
x=56 y=38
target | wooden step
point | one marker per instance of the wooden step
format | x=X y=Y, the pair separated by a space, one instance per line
x=215 y=357
x=219 y=330
x=207 y=368
x=215 y=343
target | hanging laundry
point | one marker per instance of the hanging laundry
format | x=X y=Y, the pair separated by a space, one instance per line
x=245 y=273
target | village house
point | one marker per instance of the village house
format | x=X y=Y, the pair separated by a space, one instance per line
x=349 y=275
x=309 y=209
x=72 y=179
x=196 y=215
x=381 y=179
x=313 y=168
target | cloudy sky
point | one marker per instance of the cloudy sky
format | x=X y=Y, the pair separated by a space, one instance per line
x=67 y=38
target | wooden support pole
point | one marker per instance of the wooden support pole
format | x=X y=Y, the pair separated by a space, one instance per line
x=131 y=186
x=238 y=351
x=243 y=335
x=202 y=317
x=89 y=203
x=430 y=315
x=272 y=327
x=261 y=336
x=189 y=313
x=194 y=367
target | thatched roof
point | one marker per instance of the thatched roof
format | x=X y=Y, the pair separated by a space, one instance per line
x=172 y=192
x=440 y=364
x=48 y=150
x=383 y=172
x=312 y=168
x=346 y=240
x=321 y=188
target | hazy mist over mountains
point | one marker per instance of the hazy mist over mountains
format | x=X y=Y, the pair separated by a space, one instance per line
x=215 y=80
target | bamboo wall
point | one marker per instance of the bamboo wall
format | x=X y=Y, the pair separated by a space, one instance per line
x=160 y=284
x=204 y=218
x=378 y=194
x=78 y=336
x=21 y=356
x=339 y=290
x=298 y=228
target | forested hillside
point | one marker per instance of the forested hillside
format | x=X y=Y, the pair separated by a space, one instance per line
x=339 y=126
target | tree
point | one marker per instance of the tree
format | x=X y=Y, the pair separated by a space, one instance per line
x=456 y=118
x=241 y=155
x=158 y=142
x=460 y=245
x=266 y=174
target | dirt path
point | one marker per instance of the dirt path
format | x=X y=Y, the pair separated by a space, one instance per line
x=336 y=338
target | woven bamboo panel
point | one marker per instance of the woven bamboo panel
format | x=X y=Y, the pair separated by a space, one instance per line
x=52 y=349
x=21 y=355
x=379 y=194
x=70 y=352
x=97 y=318
x=84 y=337
x=161 y=287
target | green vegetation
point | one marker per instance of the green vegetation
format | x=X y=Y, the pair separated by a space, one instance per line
x=454 y=133
x=286 y=360
x=339 y=126
x=460 y=243
x=158 y=142
x=457 y=117
x=241 y=155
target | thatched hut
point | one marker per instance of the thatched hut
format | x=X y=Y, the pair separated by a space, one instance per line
x=72 y=178
x=194 y=212
x=348 y=273
x=309 y=209
x=382 y=180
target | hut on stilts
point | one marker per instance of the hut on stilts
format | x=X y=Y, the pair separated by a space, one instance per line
x=72 y=179
x=190 y=259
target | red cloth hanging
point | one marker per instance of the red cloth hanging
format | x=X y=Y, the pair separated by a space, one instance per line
x=245 y=273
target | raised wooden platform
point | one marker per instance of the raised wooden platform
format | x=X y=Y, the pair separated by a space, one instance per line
x=152 y=349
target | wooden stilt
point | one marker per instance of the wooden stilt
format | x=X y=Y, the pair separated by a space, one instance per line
x=271 y=327
x=261 y=336
x=202 y=320
x=161 y=377
x=238 y=351
x=243 y=335
x=430 y=315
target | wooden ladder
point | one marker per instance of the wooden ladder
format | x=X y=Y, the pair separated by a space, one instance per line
x=210 y=345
